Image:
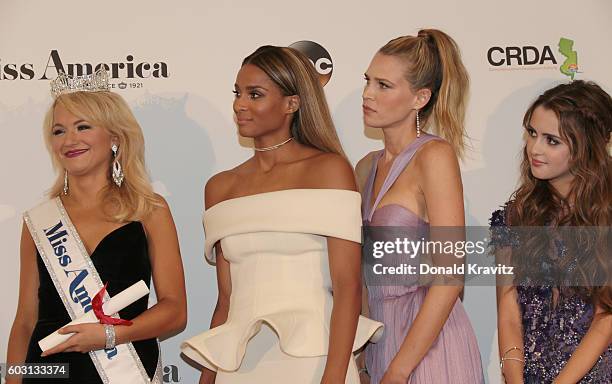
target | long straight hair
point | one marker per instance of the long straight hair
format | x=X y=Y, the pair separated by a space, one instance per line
x=433 y=61
x=294 y=74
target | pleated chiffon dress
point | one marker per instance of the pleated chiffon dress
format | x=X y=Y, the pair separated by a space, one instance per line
x=454 y=357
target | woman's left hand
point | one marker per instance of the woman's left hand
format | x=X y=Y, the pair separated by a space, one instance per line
x=395 y=375
x=87 y=337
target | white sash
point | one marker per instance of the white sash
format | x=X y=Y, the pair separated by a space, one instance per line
x=77 y=281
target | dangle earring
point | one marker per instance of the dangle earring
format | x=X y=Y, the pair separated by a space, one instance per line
x=65 y=182
x=418 y=124
x=117 y=170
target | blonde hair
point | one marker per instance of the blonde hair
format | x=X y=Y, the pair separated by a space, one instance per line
x=434 y=62
x=135 y=199
x=294 y=74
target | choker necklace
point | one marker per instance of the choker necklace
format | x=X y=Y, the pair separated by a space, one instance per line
x=265 y=149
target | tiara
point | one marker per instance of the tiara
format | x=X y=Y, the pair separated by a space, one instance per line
x=95 y=82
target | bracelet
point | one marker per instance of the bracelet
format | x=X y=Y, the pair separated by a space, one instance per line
x=501 y=363
x=109 y=331
x=364 y=370
x=510 y=350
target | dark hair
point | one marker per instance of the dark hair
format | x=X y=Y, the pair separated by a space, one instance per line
x=584 y=111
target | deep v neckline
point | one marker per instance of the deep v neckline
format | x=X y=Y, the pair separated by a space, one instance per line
x=373 y=205
x=109 y=235
x=80 y=238
x=397 y=166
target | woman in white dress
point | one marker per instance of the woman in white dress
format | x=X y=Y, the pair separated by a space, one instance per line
x=284 y=229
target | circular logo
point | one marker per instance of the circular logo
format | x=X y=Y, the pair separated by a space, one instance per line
x=319 y=57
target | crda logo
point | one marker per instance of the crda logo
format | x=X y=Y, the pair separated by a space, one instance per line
x=527 y=55
x=532 y=57
x=319 y=57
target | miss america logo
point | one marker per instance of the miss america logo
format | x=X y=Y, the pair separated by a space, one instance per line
x=128 y=69
x=57 y=236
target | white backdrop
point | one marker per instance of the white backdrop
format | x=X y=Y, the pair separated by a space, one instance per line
x=187 y=116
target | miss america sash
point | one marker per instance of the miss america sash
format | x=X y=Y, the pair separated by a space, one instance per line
x=77 y=281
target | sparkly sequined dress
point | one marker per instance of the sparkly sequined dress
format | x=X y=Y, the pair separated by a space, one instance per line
x=552 y=329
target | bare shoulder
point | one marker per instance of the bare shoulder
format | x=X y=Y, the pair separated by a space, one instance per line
x=26 y=235
x=160 y=214
x=218 y=186
x=27 y=245
x=436 y=156
x=363 y=167
x=365 y=163
x=330 y=170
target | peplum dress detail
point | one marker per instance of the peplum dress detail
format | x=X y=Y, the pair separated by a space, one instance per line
x=276 y=245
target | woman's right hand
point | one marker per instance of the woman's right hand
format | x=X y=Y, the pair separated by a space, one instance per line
x=364 y=376
x=207 y=376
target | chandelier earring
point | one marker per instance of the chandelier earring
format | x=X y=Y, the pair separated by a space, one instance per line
x=418 y=124
x=117 y=172
x=65 y=182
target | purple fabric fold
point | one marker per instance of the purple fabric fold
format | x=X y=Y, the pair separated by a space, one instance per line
x=454 y=356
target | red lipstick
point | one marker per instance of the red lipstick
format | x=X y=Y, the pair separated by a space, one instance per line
x=75 y=153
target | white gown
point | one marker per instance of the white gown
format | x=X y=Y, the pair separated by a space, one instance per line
x=277 y=330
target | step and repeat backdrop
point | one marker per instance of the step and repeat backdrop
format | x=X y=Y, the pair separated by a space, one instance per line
x=175 y=63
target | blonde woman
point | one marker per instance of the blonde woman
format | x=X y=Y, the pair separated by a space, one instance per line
x=284 y=229
x=415 y=83
x=102 y=225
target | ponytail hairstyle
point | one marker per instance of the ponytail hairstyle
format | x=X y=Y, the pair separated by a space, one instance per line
x=294 y=74
x=433 y=61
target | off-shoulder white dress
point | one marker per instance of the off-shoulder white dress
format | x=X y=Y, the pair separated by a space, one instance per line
x=277 y=330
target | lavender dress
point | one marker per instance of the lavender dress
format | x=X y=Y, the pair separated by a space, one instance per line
x=454 y=356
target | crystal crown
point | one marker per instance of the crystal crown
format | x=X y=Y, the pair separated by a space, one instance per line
x=95 y=82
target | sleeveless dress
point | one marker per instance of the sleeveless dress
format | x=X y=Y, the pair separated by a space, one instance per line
x=551 y=332
x=454 y=356
x=122 y=259
x=277 y=329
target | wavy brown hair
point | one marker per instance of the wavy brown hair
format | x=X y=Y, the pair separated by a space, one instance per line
x=295 y=75
x=584 y=111
x=433 y=61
